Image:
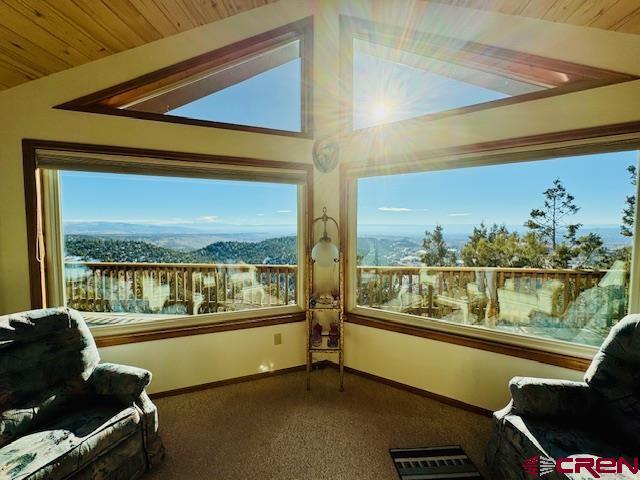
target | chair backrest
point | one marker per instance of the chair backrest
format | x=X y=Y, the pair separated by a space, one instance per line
x=618 y=360
x=41 y=349
x=615 y=373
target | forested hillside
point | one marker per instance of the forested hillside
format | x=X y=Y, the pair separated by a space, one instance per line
x=92 y=248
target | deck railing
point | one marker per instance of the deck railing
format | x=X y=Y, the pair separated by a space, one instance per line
x=481 y=291
x=189 y=288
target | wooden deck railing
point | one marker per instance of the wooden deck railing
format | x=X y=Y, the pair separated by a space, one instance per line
x=433 y=291
x=177 y=287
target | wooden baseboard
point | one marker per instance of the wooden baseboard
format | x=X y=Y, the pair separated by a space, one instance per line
x=418 y=391
x=227 y=381
x=326 y=363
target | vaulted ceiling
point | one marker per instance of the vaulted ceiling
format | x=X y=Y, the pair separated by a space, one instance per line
x=617 y=15
x=40 y=37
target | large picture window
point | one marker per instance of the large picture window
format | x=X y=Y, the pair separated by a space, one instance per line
x=538 y=249
x=140 y=242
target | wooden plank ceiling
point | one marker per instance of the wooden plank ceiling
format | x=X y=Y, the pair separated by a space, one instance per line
x=616 y=15
x=40 y=37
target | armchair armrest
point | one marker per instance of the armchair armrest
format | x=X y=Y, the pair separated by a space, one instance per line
x=120 y=381
x=547 y=398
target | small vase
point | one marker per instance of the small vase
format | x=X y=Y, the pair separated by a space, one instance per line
x=334 y=336
x=316 y=335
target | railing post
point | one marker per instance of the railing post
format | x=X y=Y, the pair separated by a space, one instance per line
x=188 y=289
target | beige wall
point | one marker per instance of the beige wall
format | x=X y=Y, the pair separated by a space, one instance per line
x=469 y=375
x=186 y=361
x=472 y=376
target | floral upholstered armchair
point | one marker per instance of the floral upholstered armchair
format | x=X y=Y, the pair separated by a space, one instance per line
x=551 y=419
x=65 y=415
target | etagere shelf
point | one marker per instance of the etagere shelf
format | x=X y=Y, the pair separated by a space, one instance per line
x=336 y=308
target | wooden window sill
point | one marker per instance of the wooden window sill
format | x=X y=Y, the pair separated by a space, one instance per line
x=187 y=330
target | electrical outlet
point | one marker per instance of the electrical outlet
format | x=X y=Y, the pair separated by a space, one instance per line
x=277 y=338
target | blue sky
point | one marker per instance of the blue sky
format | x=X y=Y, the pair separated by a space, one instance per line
x=407 y=92
x=501 y=194
x=175 y=201
x=463 y=197
x=271 y=100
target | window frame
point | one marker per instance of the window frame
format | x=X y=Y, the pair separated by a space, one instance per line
x=110 y=100
x=585 y=141
x=583 y=76
x=44 y=233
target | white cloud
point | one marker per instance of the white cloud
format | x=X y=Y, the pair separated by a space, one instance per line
x=394 y=209
x=284 y=211
x=209 y=218
x=259 y=214
x=464 y=214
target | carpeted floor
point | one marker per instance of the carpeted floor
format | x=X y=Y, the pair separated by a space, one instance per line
x=273 y=428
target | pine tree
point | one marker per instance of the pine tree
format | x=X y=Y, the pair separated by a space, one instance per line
x=628 y=214
x=550 y=220
x=590 y=251
x=437 y=252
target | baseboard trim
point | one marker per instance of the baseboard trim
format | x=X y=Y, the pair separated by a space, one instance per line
x=423 y=393
x=227 y=381
x=369 y=376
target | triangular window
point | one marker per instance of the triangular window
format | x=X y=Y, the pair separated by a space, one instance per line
x=402 y=75
x=258 y=84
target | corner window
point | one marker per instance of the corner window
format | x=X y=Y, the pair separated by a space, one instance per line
x=533 y=249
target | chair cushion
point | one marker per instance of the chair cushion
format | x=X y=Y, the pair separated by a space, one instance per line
x=41 y=349
x=36 y=412
x=615 y=373
x=69 y=444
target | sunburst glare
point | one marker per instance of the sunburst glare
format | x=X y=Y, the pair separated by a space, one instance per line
x=381 y=110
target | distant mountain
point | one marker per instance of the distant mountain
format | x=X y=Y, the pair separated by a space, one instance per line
x=282 y=250
x=97 y=249
x=259 y=232
x=276 y=251
x=122 y=228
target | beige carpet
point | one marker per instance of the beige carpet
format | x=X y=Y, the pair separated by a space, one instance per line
x=273 y=428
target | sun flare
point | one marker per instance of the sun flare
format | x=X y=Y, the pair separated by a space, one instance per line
x=381 y=110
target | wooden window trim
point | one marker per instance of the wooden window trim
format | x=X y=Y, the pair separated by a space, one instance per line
x=35 y=234
x=188 y=330
x=580 y=77
x=108 y=100
x=605 y=138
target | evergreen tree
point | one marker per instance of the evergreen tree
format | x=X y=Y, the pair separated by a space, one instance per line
x=494 y=247
x=550 y=220
x=590 y=251
x=437 y=251
x=628 y=213
x=533 y=252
